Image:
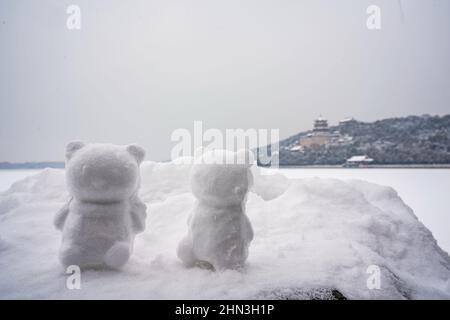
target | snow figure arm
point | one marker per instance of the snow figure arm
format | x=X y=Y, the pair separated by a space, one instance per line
x=138 y=214
x=61 y=215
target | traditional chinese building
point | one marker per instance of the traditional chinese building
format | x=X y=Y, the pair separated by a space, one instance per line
x=320 y=134
x=347 y=122
x=320 y=125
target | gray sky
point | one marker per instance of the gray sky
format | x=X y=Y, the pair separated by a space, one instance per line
x=137 y=70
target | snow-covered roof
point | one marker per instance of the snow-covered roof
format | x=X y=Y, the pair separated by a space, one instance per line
x=347 y=120
x=296 y=148
x=363 y=158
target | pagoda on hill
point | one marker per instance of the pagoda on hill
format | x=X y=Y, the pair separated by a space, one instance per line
x=320 y=134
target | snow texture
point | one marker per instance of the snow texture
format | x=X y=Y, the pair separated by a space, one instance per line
x=310 y=235
x=103 y=213
x=219 y=231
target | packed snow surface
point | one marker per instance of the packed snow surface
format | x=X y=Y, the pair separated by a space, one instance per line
x=308 y=234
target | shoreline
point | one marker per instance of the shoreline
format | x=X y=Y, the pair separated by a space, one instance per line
x=375 y=166
x=381 y=166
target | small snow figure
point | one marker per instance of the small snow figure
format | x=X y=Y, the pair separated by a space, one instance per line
x=219 y=232
x=104 y=213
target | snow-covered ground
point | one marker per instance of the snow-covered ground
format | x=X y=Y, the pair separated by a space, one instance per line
x=423 y=190
x=309 y=233
x=8 y=177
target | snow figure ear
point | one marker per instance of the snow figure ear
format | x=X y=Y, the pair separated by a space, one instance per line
x=137 y=152
x=245 y=157
x=73 y=147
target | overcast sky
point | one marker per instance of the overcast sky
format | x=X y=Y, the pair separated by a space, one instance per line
x=137 y=70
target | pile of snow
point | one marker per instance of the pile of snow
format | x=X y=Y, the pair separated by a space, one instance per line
x=311 y=235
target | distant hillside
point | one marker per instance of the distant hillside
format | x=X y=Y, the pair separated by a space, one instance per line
x=31 y=165
x=412 y=140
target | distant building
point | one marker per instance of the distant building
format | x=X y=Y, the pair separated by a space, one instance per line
x=297 y=148
x=320 y=135
x=346 y=122
x=344 y=139
x=320 y=125
x=357 y=161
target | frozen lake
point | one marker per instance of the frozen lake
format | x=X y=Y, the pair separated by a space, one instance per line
x=426 y=191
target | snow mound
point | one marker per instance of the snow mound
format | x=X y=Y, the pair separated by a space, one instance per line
x=313 y=238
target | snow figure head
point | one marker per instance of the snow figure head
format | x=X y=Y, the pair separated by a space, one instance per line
x=103 y=172
x=221 y=177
